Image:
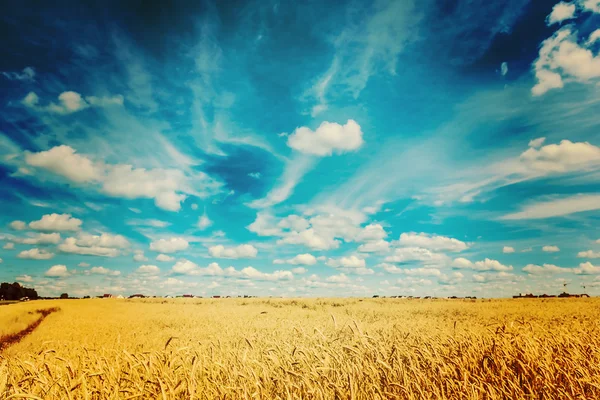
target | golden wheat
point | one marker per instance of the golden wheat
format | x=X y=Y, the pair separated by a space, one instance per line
x=307 y=349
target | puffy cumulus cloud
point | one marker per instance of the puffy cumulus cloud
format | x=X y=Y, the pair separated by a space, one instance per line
x=83 y=265
x=164 y=258
x=167 y=187
x=72 y=245
x=173 y=282
x=9 y=246
x=319 y=229
x=561 y=158
x=24 y=279
x=556 y=208
x=148 y=270
x=535 y=143
x=433 y=272
x=170 y=245
x=550 y=249
x=70 y=102
x=347 y=262
x=390 y=268
x=35 y=254
x=563 y=58
x=241 y=251
x=64 y=161
x=27 y=75
x=591 y=5
x=300 y=259
x=425 y=256
x=57 y=271
x=311 y=239
x=187 y=267
x=138 y=255
x=545 y=269
x=484 y=265
x=103 y=240
x=341 y=278
x=103 y=271
x=56 y=222
x=18 y=225
x=561 y=12
x=508 y=249
x=379 y=246
x=299 y=270
x=453 y=279
x=253 y=273
x=589 y=254
x=494 y=277
x=159 y=184
x=431 y=242
x=328 y=138
x=587 y=269
x=371 y=233
x=40 y=239
x=104 y=245
x=204 y=222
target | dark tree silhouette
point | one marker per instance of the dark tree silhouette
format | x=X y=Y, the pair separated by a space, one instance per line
x=14 y=291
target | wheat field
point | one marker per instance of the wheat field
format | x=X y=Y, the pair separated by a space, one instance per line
x=305 y=349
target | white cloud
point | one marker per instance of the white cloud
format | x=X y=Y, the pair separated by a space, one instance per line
x=24 y=279
x=83 y=265
x=589 y=254
x=103 y=240
x=591 y=5
x=341 y=278
x=173 y=282
x=311 y=239
x=241 y=251
x=36 y=254
x=42 y=238
x=347 y=262
x=417 y=254
x=587 y=269
x=550 y=249
x=594 y=36
x=544 y=269
x=493 y=277
x=70 y=102
x=204 y=222
x=253 y=273
x=9 y=246
x=379 y=246
x=171 y=245
x=422 y=272
x=27 y=75
x=155 y=223
x=485 y=265
x=56 y=222
x=300 y=259
x=562 y=58
x=74 y=246
x=187 y=267
x=63 y=160
x=561 y=158
x=535 y=143
x=255 y=175
x=431 y=242
x=370 y=233
x=504 y=68
x=57 y=271
x=299 y=270
x=18 y=225
x=138 y=255
x=103 y=271
x=148 y=270
x=508 y=249
x=557 y=208
x=327 y=139
x=165 y=186
x=561 y=12
x=164 y=258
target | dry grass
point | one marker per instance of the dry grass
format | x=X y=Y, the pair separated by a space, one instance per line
x=308 y=349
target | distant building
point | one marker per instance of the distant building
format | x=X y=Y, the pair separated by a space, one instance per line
x=188 y=296
x=137 y=296
x=216 y=297
x=107 y=296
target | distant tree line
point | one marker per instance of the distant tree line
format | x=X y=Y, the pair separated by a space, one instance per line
x=14 y=291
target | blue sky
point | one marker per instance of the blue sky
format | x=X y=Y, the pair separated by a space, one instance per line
x=316 y=149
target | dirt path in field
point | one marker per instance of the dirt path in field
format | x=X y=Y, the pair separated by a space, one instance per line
x=9 y=340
